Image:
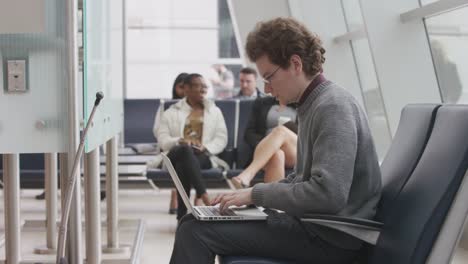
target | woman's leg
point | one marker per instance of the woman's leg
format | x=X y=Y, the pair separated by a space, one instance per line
x=280 y=138
x=274 y=169
x=205 y=163
x=173 y=202
x=188 y=168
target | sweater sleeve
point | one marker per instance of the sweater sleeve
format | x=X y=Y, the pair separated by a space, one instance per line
x=325 y=187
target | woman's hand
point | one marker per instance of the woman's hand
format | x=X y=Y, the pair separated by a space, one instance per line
x=237 y=198
x=198 y=147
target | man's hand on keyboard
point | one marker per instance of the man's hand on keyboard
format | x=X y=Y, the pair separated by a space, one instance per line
x=238 y=198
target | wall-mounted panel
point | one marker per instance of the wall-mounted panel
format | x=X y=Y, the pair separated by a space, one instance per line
x=33 y=76
x=103 y=68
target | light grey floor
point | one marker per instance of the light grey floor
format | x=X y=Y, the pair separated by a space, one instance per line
x=144 y=204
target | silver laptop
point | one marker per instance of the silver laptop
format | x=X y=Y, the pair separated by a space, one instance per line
x=212 y=213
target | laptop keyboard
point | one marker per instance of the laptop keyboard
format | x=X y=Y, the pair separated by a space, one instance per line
x=214 y=211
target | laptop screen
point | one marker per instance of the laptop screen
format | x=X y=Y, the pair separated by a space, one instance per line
x=167 y=162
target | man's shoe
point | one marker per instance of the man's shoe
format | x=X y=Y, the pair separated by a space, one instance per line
x=40 y=196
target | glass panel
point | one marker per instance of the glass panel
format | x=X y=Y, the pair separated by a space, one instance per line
x=426 y=2
x=103 y=63
x=173 y=13
x=368 y=79
x=34 y=121
x=161 y=46
x=168 y=37
x=142 y=77
x=352 y=12
x=227 y=39
x=448 y=36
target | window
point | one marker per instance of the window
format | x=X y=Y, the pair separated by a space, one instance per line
x=368 y=79
x=448 y=37
x=168 y=37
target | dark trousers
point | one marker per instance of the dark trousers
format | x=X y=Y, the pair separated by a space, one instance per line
x=200 y=242
x=188 y=165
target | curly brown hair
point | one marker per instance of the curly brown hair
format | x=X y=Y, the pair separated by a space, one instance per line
x=280 y=38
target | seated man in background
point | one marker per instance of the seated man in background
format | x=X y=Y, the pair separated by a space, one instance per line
x=248 y=85
x=337 y=170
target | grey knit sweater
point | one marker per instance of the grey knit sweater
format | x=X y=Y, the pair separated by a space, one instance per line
x=337 y=170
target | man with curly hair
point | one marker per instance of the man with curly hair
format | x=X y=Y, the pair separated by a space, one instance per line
x=337 y=170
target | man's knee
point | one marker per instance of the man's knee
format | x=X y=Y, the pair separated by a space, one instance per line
x=186 y=218
x=189 y=228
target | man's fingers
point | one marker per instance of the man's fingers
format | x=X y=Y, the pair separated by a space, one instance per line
x=217 y=199
x=227 y=202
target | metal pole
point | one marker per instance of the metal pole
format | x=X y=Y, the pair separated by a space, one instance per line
x=93 y=210
x=74 y=224
x=51 y=198
x=51 y=204
x=63 y=163
x=112 y=188
x=12 y=208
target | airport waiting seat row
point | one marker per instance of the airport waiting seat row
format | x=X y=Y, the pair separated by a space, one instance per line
x=139 y=120
x=423 y=207
x=31 y=170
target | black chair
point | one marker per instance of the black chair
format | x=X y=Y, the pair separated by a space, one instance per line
x=31 y=170
x=168 y=103
x=139 y=117
x=229 y=110
x=243 y=150
x=405 y=158
x=409 y=141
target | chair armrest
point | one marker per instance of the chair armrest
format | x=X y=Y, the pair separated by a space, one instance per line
x=363 y=229
x=144 y=148
x=228 y=155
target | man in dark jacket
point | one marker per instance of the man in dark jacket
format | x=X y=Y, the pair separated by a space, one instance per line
x=248 y=85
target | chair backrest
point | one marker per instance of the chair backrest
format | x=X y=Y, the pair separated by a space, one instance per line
x=168 y=103
x=229 y=110
x=244 y=151
x=32 y=161
x=414 y=129
x=139 y=120
x=416 y=215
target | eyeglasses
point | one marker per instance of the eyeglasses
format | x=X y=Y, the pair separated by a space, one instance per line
x=267 y=79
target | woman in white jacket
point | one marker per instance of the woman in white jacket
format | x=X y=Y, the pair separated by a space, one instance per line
x=192 y=131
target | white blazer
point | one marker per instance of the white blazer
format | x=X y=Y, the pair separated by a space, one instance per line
x=170 y=128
